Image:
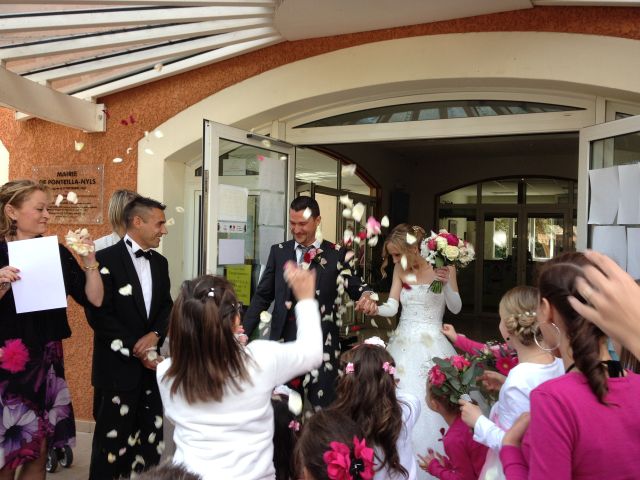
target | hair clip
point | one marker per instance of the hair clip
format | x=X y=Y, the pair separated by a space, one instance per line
x=294 y=425
x=212 y=292
x=375 y=341
x=390 y=369
x=349 y=368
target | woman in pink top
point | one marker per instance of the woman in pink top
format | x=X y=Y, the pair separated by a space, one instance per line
x=583 y=425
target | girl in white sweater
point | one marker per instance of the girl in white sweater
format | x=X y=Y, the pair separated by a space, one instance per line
x=217 y=392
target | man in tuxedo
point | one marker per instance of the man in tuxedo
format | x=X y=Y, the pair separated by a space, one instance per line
x=329 y=261
x=128 y=329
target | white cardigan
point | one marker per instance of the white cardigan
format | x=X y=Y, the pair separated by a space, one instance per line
x=233 y=439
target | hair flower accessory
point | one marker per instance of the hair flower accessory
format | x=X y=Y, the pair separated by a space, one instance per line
x=349 y=368
x=390 y=369
x=341 y=466
x=375 y=341
x=294 y=425
x=212 y=292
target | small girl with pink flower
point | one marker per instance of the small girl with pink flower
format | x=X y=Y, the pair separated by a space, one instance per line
x=536 y=364
x=368 y=394
x=448 y=380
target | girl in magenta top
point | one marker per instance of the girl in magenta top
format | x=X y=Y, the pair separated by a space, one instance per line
x=583 y=425
x=465 y=457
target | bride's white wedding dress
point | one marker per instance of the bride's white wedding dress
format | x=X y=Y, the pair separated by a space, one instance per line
x=413 y=344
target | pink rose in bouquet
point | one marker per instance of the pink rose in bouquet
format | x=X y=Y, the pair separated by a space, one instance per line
x=444 y=248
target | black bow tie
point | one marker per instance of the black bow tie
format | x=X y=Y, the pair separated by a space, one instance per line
x=142 y=253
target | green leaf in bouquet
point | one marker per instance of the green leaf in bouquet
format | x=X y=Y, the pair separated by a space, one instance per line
x=439 y=261
x=455 y=383
x=470 y=373
x=453 y=398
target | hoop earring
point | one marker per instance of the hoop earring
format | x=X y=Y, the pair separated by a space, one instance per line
x=13 y=228
x=535 y=339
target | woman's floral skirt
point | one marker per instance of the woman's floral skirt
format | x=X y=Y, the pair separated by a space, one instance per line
x=35 y=406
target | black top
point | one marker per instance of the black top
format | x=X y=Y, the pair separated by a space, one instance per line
x=36 y=329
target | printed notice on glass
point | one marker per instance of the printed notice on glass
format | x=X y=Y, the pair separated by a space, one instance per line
x=612 y=242
x=232 y=203
x=629 y=199
x=633 y=252
x=231 y=251
x=271 y=209
x=268 y=236
x=604 y=195
x=84 y=183
x=41 y=285
x=272 y=174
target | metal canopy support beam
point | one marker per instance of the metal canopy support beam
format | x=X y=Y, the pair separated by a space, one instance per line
x=24 y=95
x=152 y=55
x=134 y=37
x=176 y=68
x=69 y=20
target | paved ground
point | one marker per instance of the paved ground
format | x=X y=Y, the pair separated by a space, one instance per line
x=79 y=469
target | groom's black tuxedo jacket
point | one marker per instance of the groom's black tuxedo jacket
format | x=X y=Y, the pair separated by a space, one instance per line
x=272 y=286
x=124 y=317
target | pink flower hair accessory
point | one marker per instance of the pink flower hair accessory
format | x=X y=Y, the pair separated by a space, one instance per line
x=342 y=466
x=14 y=356
x=390 y=369
x=349 y=368
x=294 y=425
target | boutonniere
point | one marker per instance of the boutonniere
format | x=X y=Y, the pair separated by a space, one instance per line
x=313 y=256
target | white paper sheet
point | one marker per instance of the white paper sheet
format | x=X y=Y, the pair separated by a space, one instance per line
x=612 y=241
x=268 y=236
x=232 y=203
x=604 y=195
x=633 y=252
x=271 y=208
x=234 y=166
x=41 y=285
x=272 y=174
x=231 y=251
x=629 y=201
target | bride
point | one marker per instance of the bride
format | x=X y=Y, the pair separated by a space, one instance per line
x=418 y=337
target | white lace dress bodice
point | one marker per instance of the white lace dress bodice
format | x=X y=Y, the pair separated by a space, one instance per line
x=414 y=343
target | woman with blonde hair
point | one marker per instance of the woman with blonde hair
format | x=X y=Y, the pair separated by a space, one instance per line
x=35 y=404
x=418 y=337
x=118 y=201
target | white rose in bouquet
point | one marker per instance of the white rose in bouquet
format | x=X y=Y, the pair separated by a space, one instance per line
x=451 y=252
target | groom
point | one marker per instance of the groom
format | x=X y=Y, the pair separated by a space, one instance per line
x=328 y=260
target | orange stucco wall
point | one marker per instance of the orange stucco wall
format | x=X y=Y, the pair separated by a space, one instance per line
x=37 y=142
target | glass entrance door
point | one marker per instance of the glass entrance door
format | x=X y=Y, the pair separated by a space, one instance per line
x=247 y=185
x=500 y=255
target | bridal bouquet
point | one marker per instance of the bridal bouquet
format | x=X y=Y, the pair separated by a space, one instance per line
x=444 y=248
x=454 y=377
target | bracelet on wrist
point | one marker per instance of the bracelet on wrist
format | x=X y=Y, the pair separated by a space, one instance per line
x=95 y=266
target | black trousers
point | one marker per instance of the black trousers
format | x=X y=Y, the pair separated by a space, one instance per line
x=128 y=432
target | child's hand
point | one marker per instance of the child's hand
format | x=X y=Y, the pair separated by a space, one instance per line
x=423 y=462
x=450 y=332
x=514 y=435
x=302 y=282
x=492 y=381
x=470 y=413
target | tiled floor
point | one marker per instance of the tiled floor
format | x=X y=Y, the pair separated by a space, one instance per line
x=79 y=469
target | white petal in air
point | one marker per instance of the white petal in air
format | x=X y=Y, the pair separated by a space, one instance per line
x=125 y=352
x=126 y=290
x=160 y=447
x=373 y=241
x=152 y=355
x=158 y=133
x=288 y=304
x=148 y=151
x=104 y=271
x=117 y=160
x=111 y=458
x=384 y=222
x=171 y=222
x=59 y=200
x=124 y=409
x=295 y=402
x=357 y=211
x=374 y=296
x=180 y=209
x=403 y=262
x=116 y=345
x=158 y=421
x=72 y=197
x=346 y=201
x=78 y=145
x=152 y=437
x=112 y=434
x=158 y=67
x=307 y=213
x=116 y=400
x=265 y=317
x=349 y=170
x=411 y=239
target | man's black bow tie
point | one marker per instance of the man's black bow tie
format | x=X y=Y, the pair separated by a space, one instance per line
x=142 y=253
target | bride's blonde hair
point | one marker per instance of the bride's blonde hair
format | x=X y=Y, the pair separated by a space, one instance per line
x=398 y=238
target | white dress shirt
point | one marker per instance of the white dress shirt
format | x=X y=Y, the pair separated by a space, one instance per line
x=298 y=251
x=143 y=269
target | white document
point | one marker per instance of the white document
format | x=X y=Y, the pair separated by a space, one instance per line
x=272 y=174
x=271 y=208
x=234 y=166
x=41 y=285
x=629 y=200
x=232 y=203
x=604 y=195
x=231 y=251
x=268 y=236
x=612 y=241
x=633 y=252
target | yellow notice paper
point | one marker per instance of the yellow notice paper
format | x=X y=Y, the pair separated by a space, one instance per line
x=240 y=277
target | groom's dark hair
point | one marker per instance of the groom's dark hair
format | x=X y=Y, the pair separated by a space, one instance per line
x=302 y=203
